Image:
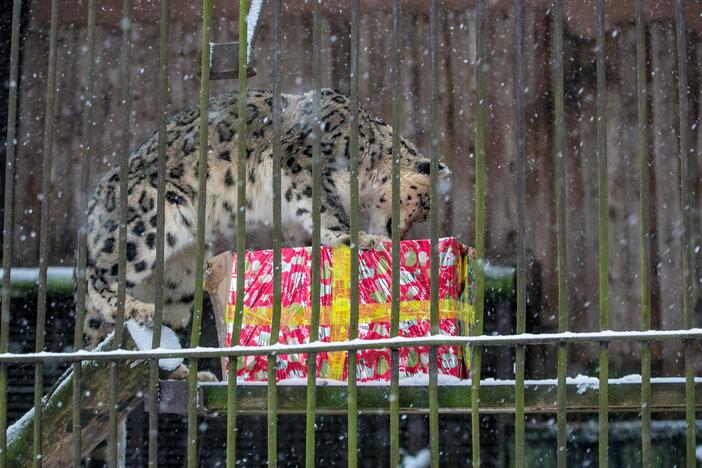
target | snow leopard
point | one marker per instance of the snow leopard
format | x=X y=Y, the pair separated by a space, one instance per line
x=181 y=194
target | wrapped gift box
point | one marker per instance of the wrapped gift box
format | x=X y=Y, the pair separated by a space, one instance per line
x=455 y=309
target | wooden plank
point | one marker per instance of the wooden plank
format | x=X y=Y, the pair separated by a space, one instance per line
x=496 y=397
x=665 y=198
x=579 y=16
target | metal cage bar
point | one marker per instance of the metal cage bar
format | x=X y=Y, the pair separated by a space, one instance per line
x=480 y=124
x=277 y=241
x=519 y=435
x=316 y=231
x=520 y=340
x=8 y=218
x=159 y=270
x=48 y=142
x=435 y=206
x=200 y=239
x=240 y=229
x=558 y=338
x=352 y=397
x=687 y=255
x=645 y=252
x=602 y=232
x=81 y=261
x=395 y=235
x=562 y=263
x=126 y=98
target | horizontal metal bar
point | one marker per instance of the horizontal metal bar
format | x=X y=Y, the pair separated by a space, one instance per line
x=24 y=281
x=667 y=394
x=499 y=280
x=391 y=343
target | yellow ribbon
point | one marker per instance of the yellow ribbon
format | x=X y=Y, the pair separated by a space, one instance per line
x=340 y=308
x=296 y=316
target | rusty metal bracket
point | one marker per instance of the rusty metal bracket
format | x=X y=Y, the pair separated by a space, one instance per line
x=224 y=61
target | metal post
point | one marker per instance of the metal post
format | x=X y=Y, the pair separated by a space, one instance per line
x=353 y=227
x=8 y=221
x=560 y=183
x=645 y=252
x=159 y=270
x=520 y=455
x=81 y=261
x=49 y=114
x=435 y=206
x=395 y=227
x=200 y=239
x=277 y=241
x=479 y=303
x=603 y=234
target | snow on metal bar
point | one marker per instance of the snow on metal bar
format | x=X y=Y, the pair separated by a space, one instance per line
x=252 y=23
x=583 y=382
x=392 y=343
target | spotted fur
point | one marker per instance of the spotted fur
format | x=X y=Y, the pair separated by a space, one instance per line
x=375 y=189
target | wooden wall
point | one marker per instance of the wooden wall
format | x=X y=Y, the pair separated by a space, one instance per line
x=456 y=124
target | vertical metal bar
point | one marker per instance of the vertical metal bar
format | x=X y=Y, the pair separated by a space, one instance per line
x=476 y=353
x=48 y=143
x=160 y=232
x=277 y=240
x=200 y=240
x=8 y=225
x=242 y=140
x=561 y=230
x=122 y=231
x=81 y=261
x=434 y=226
x=353 y=227
x=687 y=256
x=602 y=234
x=519 y=434
x=316 y=231
x=645 y=252
x=395 y=227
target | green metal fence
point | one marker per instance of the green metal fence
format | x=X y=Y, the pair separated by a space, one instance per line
x=520 y=398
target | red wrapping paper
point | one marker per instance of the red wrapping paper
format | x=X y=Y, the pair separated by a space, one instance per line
x=455 y=310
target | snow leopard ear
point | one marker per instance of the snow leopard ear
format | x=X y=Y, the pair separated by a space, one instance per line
x=424 y=167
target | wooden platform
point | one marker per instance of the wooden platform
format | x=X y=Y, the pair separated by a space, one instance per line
x=495 y=397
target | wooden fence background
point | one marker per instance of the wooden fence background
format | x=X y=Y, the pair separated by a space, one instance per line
x=456 y=124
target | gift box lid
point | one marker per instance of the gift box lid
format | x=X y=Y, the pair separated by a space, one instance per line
x=375 y=279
